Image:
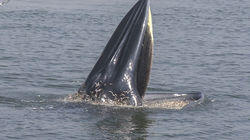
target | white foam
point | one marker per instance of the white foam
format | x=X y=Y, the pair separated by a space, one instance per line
x=159 y=103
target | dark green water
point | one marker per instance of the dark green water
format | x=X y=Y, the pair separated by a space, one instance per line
x=47 y=49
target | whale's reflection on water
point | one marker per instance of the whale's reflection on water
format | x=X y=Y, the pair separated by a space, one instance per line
x=124 y=124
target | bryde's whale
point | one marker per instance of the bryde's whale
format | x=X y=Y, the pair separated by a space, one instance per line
x=122 y=72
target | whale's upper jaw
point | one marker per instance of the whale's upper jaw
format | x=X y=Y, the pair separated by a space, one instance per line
x=122 y=71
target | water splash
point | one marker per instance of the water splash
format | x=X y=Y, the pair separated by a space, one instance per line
x=171 y=101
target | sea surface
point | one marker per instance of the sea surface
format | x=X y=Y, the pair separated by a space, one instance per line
x=48 y=48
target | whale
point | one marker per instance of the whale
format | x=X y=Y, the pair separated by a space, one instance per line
x=121 y=74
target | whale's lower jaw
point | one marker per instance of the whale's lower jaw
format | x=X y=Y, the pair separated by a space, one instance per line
x=121 y=74
x=151 y=100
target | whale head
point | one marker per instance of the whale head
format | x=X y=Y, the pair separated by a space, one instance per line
x=122 y=72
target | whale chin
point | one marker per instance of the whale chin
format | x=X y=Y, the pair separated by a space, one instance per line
x=121 y=74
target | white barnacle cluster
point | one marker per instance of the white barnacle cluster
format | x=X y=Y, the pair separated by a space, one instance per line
x=105 y=99
x=124 y=99
x=112 y=98
x=97 y=88
x=126 y=78
x=130 y=66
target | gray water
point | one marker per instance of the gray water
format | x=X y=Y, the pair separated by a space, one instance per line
x=47 y=49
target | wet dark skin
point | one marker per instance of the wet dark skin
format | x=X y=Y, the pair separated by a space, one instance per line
x=122 y=72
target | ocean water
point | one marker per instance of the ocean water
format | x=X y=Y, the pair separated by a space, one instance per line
x=48 y=48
